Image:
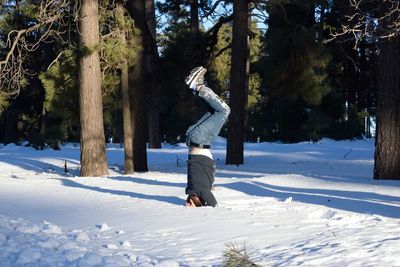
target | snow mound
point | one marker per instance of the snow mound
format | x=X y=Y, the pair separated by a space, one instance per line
x=23 y=243
x=103 y=227
x=321 y=214
x=168 y=263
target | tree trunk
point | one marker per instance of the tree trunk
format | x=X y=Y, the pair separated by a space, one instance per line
x=126 y=102
x=246 y=130
x=11 y=133
x=154 y=129
x=363 y=89
x=387 y=146
x=42 y=129
x=93 y=150
x=195 y=45
x=153 y=100
x=351 y=86
x=238 y=83
x=194 y=16
x=138 y=81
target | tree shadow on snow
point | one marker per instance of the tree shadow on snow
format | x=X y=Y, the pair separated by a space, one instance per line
x=354 y=201
x=168 y=199
x=39 y=166
x=145 y=181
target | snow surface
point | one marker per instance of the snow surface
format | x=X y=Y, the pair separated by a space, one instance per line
x=290 y=205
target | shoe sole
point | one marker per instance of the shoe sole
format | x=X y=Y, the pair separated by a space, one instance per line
x=192 y=77
x=192 y=74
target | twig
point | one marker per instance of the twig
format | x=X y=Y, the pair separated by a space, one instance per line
x=351 y=149
x=55 y=60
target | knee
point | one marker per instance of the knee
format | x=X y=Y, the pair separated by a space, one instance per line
x=227 y=110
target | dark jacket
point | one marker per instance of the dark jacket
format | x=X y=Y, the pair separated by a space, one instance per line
x=201 y=171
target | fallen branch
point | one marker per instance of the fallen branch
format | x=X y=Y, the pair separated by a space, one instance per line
x=348 y=153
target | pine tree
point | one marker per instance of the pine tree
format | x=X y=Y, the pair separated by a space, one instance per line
x=62 y=99
x=139 y=86
x=294 y=71
x=126 y=101
x=296 y=60
x=153 y=97
x=19 y=83
x=387 y=147
x=93 y=150
x=238 y=83
x=380 y=20
x=219 y=74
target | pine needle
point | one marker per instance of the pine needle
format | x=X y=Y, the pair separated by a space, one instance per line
x=236 y=256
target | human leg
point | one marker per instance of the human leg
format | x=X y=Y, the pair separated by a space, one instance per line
x=208 y=127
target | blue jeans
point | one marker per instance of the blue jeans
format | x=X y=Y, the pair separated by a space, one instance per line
x=201 y=168
x=208 y=127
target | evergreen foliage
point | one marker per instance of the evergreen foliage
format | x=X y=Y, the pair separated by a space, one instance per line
x=220 y=72
x=295 y=62
x=175 y=64
x=236 y=256
x=113 y=52
x=25 y=110
x=300 y=87
x=3 y=102
x=62 y=98
x=61 y=80
x=220 y=67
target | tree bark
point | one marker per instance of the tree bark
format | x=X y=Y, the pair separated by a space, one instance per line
x=126 y=103
x=194 y=16
x=42 y=129
x=93 y=150
x=153 y=96
x=387 y=146
x=195 y=45
x=154 y=129
x=11 y=130
x=352 y=81
x=363 y=89
x=238 y=83
x=138 y=82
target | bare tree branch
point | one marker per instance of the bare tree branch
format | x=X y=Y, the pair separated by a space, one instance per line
x=213 y=8
x=49 y=23
x=369 y=19
x=222 y=50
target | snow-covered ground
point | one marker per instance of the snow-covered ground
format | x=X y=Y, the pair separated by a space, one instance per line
x=289 y=205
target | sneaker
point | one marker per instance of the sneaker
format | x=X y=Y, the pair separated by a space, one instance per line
x=195 y=78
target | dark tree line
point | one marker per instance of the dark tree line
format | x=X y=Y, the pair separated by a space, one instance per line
x=290 y=70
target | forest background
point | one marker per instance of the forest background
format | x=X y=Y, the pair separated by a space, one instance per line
x=112 y=71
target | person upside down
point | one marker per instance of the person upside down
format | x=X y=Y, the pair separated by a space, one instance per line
x=199 y=136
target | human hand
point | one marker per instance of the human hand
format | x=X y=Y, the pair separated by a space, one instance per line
x=190 y=204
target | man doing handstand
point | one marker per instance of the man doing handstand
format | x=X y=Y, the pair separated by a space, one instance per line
x=201 y=166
